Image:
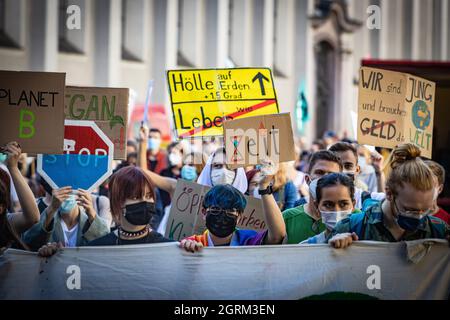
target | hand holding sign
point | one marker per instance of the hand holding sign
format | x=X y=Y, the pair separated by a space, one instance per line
x=143 y=132
x=268 y=169
x=13 y=152
x=58 y=197
x=85 y=200
x=377 y=161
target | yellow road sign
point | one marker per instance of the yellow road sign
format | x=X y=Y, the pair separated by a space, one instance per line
x=203 y=98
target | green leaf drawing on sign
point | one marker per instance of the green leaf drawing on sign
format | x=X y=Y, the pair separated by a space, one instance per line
x=116 y=120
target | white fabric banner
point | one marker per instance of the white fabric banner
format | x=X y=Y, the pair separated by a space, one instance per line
x=163 y=271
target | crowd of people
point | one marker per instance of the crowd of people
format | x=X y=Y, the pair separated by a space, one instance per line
x=335 y=192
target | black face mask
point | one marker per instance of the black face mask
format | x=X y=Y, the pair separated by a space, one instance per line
x=220 y=225
x=140 y=213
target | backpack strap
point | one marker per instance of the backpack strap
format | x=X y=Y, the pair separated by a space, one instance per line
x=97 y=202
x=41 y=205
x=436 y=231
x=358 y=224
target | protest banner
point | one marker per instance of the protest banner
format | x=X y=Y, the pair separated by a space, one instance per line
x=365 y=270
x=87 y=161
x=202 y=99
x=186 y=218
x=32 y=110
x=108 y=107
x=395 y=108
x=248 y=140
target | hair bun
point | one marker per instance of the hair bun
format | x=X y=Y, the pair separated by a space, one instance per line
x=404 y=152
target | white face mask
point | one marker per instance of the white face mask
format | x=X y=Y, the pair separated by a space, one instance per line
x=222 y=176
x=175 y=159
x=331 y=218
x=362 y=161
x=313 y=187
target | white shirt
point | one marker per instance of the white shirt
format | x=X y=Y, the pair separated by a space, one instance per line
x=163 y=224
x=70 y=236
x=374 y=195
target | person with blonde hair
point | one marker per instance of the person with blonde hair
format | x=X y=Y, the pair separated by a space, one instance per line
x=439 y=174
x=405 y=214
x=285 y=192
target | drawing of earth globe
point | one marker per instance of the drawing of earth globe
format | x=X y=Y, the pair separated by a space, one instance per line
x=421 y=115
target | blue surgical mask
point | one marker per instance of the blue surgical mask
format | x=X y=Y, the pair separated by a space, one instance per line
x=408 y=223
x=68 y=204
x=3 y=157
x=188 y=173
x=153 y=143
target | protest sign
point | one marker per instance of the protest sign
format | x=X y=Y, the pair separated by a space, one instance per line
x=32 y=110
x=87 y=161
x=186 y=218
x=395 y=108
x=365 y=270
x=108 y=107
x=250 y=139
x=203 y=98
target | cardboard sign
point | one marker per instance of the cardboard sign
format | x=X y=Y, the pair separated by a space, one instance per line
x=202 y=99
x=32 y=110
x=108 y=107
x=186 y=218
x=395 y=108
x=250 y=139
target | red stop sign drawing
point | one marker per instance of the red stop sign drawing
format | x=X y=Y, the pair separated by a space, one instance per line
x=87 y=159
x=84 y=137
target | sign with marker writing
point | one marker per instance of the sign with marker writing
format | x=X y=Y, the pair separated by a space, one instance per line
x=203 y=98
x=395 y=108
x=186 y=218
x=87 y=161
x=108 y=107
x=248 y=140
x=32 y=110
x=161 y=271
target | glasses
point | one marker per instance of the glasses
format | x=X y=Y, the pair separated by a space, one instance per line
x=229 y=213
x=418 y=214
